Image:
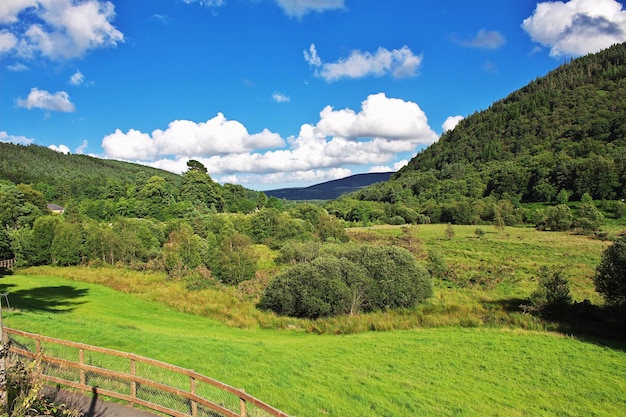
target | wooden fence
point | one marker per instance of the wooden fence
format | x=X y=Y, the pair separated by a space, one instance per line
x=141 y=381
x=7 y=263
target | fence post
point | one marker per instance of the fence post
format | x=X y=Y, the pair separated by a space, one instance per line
x=192 y=390
x=81 y=360
x=242 y=407
x=133 y=384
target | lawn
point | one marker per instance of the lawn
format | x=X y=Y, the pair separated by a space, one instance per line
x=445 y=371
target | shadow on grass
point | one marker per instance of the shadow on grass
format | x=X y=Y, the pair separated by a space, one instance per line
x=54 y=299
x=587 y=322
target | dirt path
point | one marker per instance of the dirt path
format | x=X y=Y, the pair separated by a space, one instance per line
x=92 y=406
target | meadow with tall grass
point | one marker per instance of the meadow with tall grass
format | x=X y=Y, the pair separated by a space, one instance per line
x=470 y=350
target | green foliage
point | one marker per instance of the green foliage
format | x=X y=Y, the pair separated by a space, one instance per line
x=311 y=290
x=42 y=237
x=558 y=218
x=349 y=280
x=236 y=261
x=588 y=217
x=553 y=291
x=6 y=251
x=67 y=244
x=183 y=251
x=610 y=276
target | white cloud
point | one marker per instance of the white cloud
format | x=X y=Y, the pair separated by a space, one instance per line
x=81 y=149
x=7 y=41
x=77 y=78
x=485 y=39
x=17 y=67
x=186 y=138
x=298 y=8
x=61 y=148
x=9 y=9
x=41 y=99
x=577 y=27
x=207 y=3
x=390 y=119
x=312 y=57
x=59 y=29
x=280 y=98
x=451 y=122
x=397 y=62
x=20 y=140
x=344 y=138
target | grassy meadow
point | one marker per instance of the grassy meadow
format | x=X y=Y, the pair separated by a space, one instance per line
x=469 y=351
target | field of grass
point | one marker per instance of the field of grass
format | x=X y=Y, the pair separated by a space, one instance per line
x=431 y=372
x=469 y=351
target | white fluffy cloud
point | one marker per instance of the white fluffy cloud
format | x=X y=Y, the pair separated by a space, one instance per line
x=577 y=27
x=298 y=8
x=20 y=140
x=7 y=41
x=397 y=62
x=77 y=78
x=451 y=122
x=186 y=138
x=42 y=99
x=388 y=119
x=383 y=128
x=57 y=29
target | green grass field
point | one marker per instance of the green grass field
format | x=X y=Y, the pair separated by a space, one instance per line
x=467 y=352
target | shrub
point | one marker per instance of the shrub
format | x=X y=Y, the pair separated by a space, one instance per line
x=398 y=279
x=610 y=276
x=351 y=280
x=553 y=291
x=312 y=290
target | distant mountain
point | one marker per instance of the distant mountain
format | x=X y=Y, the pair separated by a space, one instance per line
x=331 y=189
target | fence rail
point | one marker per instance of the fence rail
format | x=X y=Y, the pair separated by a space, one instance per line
x=142 y=381
x=7 y=263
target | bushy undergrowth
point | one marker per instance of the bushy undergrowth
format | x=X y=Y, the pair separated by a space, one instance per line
x=503 y=266
x=349 y=280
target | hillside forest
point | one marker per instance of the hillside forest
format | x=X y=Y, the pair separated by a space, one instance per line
x=551 y=155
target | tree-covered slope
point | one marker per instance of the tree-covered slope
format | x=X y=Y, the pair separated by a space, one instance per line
x=69 y=174
x=566 y=130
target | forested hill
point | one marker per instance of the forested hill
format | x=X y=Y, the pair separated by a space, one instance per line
x=563 y=131
x=78 y=174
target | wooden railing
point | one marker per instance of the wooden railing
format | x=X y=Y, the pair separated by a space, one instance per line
x=156 y=385
x=7 y=263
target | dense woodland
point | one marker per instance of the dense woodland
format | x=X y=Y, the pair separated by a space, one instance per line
x=552 y=155
x=560 y=137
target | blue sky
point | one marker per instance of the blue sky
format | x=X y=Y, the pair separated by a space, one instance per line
x=274 y=93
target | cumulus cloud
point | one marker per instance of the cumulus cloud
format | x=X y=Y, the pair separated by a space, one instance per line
x=20 y=140
x=42 y=99
x=280 y=98
x=77 y=78
x=7 y=41
x=388 y=119
x=186 y=138
x=577 y=27
x=383 y=128
x=451 y=122
x=57 y=29
x=60 y=148
x=485 y=39
x=398 y=62
x=298 y=8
